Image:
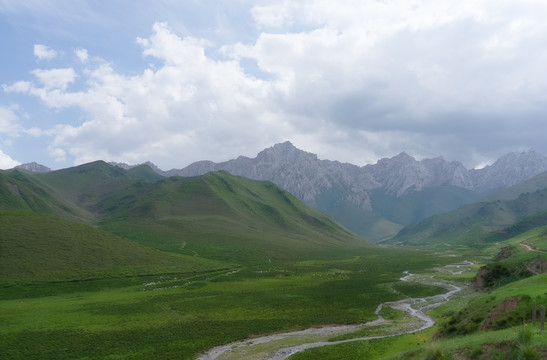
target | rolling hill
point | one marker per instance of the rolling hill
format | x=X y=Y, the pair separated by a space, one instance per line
x=222 y=216
x=216 y=216
x=37 y=247
x=472 y=224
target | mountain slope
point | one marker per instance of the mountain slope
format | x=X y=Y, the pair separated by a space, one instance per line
x=471 y=223
x=378 y=199
x=222 y=216
x=37 y=247
x=23 y=191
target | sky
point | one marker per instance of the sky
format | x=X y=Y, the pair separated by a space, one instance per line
x=174 y=82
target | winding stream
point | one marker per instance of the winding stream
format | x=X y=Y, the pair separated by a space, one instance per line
x=293 y=342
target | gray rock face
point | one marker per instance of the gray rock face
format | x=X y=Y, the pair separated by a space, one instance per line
x=34 y=167
x=508 y=170
x=305 y=176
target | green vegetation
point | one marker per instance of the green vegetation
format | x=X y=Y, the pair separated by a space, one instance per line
x=229 y=218
x=472 y=224
x=371 y=226
x=37 y=248
x=183 y=315
x=416 y=206
x=99 y=262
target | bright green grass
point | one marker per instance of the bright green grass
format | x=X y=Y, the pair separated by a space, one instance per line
x=181 y=316
x=422 y=345
x=38 y=248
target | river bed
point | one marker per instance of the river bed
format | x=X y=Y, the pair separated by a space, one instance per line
x=281 y=346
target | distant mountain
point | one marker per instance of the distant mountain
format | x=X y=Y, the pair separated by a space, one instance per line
x=476 y=222
x=507 y=171
x=34 y=168
x=151 y=165
x=377 y=200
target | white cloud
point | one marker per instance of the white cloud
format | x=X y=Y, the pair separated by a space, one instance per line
x=57 y=154
x=55 y=78
x=7 y=162
x=380 y=76
x=9 y=122
x=82 y=55
x=43 y=52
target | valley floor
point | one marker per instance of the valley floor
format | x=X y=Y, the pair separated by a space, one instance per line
x=282 y=346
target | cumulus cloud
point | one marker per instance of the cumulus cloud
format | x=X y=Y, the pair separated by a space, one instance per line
x=427 y=77
x=55 y=78
x=9 y=123
x=7 y=162
x=43 y=52
x=82 y=55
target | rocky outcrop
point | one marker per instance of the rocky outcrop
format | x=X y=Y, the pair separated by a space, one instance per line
x=304 y=175
x=337 y=184
x=509 y=170
x=34 y=168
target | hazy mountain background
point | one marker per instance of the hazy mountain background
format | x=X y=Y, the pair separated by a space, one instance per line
x=377 y=200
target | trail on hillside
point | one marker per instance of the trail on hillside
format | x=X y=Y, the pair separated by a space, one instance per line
x=281 y=346
x=530 y=248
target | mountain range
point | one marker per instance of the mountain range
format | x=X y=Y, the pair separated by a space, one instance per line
x=217 y=220
x=375 y=200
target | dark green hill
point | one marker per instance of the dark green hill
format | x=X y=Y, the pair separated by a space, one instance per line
x=38 y=247
x=217 y=215
x=226 y=217
x=90 y=184
x=472 y=223
x=145 y=172
x=528 y=223
x=24 y=191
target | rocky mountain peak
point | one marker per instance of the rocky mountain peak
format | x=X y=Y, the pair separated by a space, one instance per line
x=34 y=167
x=284 y=153
x=509 y=170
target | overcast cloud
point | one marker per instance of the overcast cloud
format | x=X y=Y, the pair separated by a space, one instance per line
x=352 y=81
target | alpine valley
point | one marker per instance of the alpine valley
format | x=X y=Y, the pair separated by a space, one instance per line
x=279 y=256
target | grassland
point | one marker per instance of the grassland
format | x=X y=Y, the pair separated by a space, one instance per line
x=179 y=316
x=40 y=248
x=504 y=313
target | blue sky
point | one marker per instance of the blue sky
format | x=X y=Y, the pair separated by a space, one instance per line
x=174 y=82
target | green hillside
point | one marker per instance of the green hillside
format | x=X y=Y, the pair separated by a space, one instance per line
x=145 y=172
x=416 y=206
x=471 y=223
x=37 y=247
x=88 y=185
x=538 y=182
x=365 y=223
x=20 y=190
x=222 y=216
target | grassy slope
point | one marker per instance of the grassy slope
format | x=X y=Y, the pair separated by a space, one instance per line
x=501 y=339
x=37 y=247
x=222 y=216
x=179 y=317
x=20 y=190
x=89 y=185
x=362 y=222
x=538 y=182
x=416 y=206
x=471 y=223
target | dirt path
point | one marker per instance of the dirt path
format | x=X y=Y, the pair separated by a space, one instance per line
x=281 y=346
x=529 y=248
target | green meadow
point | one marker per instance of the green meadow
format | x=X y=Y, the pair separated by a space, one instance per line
x=180 y=316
